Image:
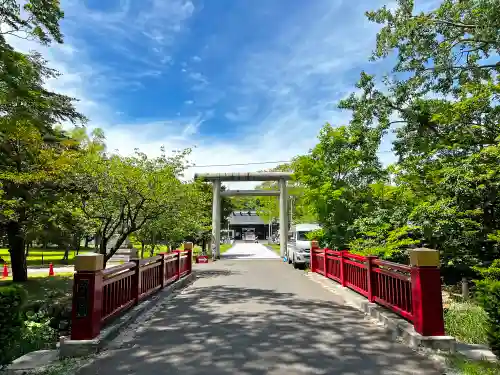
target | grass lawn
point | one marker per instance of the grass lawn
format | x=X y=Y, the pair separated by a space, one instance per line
x=43 y=287
x=225 y=247
x=275 y=247
x=468 y=367
x=38 y=257
x=467 y=322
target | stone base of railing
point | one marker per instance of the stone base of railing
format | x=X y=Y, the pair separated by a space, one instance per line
x=401 y=329
x=398 y=328
x=81 y=348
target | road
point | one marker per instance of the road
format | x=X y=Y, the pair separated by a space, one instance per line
x=240 y=251
x=253 y=318
x=246 y=251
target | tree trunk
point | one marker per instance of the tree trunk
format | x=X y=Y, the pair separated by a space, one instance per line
x=97 y=242
x=143 y=246
x=87 y=240
x=27 y=249
x=17 y=252
x=77 y=239
x=66 y=253
x=153 y=245
x=103 y=243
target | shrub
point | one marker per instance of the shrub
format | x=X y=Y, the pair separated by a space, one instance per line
x=489 y=297
x=317 y=235
x=37 y=335
x=467 y=322
x=12 y=299
x=22 y=332
x=488 y=291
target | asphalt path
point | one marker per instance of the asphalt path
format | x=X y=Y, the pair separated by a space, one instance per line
x=253 y=318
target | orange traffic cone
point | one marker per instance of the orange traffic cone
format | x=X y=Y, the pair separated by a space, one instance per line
x=51 y=270
x=5 y=272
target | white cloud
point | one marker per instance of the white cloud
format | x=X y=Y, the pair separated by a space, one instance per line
x=201 y=82
x=299 y=78
x=241 y=113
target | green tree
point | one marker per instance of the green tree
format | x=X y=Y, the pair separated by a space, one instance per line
x=441 y=102
x=34 y=155
x=337 y=174
x=32 y=176
x=189 y=221
x=268 y=208
x=228 y=205
x=442 y=49
x=122 y=194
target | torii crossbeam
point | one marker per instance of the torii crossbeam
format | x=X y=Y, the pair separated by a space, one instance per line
x=217 y=178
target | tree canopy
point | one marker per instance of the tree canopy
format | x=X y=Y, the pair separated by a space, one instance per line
x=438 y=102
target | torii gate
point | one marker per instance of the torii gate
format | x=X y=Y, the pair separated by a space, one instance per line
x=217 y=178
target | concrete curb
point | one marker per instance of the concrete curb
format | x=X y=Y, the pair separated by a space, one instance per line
x=81 y=348
x=400 y=329
x=39 y=360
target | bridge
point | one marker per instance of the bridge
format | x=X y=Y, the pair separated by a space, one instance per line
x=253 y=316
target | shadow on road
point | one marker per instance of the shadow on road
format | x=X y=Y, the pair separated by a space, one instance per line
x=228 y=330
x=201 y=273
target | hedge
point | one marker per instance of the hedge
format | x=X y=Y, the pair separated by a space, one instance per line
x=12 y=299
x=488 y=291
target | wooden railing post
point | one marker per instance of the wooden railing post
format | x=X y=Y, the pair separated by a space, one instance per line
x=427 y=301
x=136 y=284
x=178 y=262
x=162 y=270
x=371 y=278
x=188 y=246
x=342 y=268
x=312 y=255
x=87 y=297
x=324 y=262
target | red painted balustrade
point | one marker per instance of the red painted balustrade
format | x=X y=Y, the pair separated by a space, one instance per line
x=100 y=295
x=413 y=292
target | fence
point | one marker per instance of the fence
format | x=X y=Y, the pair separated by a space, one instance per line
x=413 y=292
x=100 y=294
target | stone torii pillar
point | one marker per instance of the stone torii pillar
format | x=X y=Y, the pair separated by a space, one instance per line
x=283 y=217
x=217 y=178
x=216 y=211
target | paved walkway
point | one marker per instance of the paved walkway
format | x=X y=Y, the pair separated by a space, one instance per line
x=255 y=318
x=245 y=251
x=57 y=269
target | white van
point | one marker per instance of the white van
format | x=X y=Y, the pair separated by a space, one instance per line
x=298 y=248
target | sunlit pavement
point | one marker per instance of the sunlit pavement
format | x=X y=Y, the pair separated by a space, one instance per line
x=245 y=251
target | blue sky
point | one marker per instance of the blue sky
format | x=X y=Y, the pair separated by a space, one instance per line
x=239 y=80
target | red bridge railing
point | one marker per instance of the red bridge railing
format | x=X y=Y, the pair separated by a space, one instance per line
x=102 y=294
x=413 y=292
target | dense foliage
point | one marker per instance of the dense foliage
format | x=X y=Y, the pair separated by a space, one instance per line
x=488 y=289
x=440 y=102
x=437 y=108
